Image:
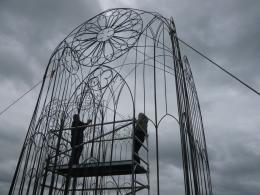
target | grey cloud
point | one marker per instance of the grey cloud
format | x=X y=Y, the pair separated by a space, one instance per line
x=29 y=33
x=29 y=27
x=228 y=31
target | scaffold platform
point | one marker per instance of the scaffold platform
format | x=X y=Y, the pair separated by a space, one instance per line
x=125 y=167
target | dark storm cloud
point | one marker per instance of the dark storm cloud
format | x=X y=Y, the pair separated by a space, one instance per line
x=11 y=138
x=31 y=30
x=237 y=171
x=228 y=31
x=225 y=30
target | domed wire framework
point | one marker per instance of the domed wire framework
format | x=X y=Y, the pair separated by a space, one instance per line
x=109 y=69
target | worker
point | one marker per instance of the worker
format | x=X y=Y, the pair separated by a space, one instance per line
x=77 y=135
x=140 y=134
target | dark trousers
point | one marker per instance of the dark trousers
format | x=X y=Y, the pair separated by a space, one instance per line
x=137 y=146
x=75 y=155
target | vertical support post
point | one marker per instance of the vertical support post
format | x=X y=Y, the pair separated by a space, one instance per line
x=74 y=185
x=133 y=161
x=16 y=171
x=187 y=119
x=148 y=165
x=45 y=175
x=56 y=155
x=156 y=122
x=183 y=110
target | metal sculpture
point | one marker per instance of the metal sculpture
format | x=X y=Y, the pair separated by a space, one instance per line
x=109 y=69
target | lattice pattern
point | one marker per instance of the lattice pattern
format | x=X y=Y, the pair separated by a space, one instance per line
x=109 y=69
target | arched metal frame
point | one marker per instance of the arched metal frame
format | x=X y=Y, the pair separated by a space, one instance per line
x=117 y=64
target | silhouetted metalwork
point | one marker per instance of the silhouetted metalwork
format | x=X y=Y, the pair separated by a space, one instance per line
x=117 y=71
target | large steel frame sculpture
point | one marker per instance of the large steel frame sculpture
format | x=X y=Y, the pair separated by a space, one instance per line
x=117 y=64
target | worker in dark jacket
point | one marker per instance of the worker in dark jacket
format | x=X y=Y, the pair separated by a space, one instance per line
x=77 y=135
x=140 y=134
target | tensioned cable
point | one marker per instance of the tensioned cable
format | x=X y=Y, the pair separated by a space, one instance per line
x=188 y=45
x=14 y=102
x=19 y=98
x=220 y=67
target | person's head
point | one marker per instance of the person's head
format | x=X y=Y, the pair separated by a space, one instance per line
x=142 y=117
x=76 y=117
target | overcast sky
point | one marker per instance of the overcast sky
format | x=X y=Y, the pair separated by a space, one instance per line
x=226 y=30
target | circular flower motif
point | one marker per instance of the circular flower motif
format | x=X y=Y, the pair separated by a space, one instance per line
x=105 y=34
x=106 y=37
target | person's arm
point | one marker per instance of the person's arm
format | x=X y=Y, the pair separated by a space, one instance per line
x=88 y=122
x=85 y=124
